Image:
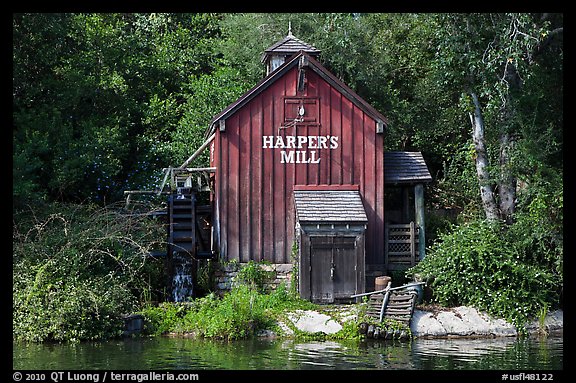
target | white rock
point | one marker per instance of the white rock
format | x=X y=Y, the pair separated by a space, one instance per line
x=312 y=321
x=477 y=323
x=424 y=324
x=285 y=329
x=458 y=321
x=555 y=320
x=500 y=327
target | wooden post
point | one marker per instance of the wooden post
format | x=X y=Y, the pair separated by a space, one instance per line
x=419 y=207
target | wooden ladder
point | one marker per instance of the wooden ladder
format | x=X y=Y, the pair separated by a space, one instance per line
x=181 y=219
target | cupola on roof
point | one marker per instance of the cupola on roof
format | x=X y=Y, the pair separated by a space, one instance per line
x=278 y=53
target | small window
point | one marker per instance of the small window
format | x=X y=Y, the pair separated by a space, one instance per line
x=276 y=61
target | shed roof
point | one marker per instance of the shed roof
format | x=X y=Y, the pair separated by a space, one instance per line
x=405 y=167
x=315 y=66
x=325 y=206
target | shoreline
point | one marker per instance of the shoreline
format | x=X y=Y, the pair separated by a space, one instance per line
x=440 y=323
x=428 y=322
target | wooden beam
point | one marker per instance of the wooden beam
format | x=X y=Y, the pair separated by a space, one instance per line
x=194 y=170
x=389 y=289
x=351 y=187
x=200 y=149
x=130 y=192
x=386 y=239
x=412 y=243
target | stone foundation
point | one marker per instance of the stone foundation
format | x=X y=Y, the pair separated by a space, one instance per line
x=225 y=275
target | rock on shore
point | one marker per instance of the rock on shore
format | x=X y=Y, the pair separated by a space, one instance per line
x=458 y=321
x=441 y=322
x=469 y=322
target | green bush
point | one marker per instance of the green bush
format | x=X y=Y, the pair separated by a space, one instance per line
x=482 y=264
x=77 y=270
x=255 y=275
x=163 y=318
x=71 y=310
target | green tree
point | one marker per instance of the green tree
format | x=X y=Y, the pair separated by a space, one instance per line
x=103 y=102
x=94 y=94
x=492 y=59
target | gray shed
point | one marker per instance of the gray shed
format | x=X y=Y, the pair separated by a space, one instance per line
x=331 y=226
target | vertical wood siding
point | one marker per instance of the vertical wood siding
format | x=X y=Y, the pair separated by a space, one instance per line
x=255 y=214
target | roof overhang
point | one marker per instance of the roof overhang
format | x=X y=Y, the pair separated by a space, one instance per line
x=405 y=168
x=329 y=206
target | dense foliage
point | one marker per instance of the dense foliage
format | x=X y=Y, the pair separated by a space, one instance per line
x=77 y=269
x=513 y=271
x=103 y=101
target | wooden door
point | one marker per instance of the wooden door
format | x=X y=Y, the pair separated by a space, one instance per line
x=344 y=255
x=333 y=267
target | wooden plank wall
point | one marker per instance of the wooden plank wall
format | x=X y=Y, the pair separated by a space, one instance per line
x=255 y=215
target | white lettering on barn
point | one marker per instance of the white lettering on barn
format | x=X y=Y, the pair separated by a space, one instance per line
x=304 y=143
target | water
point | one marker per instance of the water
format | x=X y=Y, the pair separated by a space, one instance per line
x=163 y=353
x=182 y=280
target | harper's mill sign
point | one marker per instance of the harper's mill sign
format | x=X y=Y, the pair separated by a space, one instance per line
x=300 y=149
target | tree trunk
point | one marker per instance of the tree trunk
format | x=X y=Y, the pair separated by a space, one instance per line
x=507 y=181
x=507 y=187
x=486 y=189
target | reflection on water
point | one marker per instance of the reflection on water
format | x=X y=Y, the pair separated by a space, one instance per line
x=489 y=354
x=162 y=353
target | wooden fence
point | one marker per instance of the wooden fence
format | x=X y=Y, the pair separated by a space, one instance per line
x=401 y=245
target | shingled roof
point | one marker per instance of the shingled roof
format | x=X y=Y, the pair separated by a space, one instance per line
x=290 y=45
x=323 y=206
x=405 y=167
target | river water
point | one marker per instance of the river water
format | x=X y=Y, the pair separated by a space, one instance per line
x=165 y=353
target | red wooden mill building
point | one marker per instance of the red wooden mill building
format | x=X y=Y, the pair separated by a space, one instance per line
x=298 y=177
